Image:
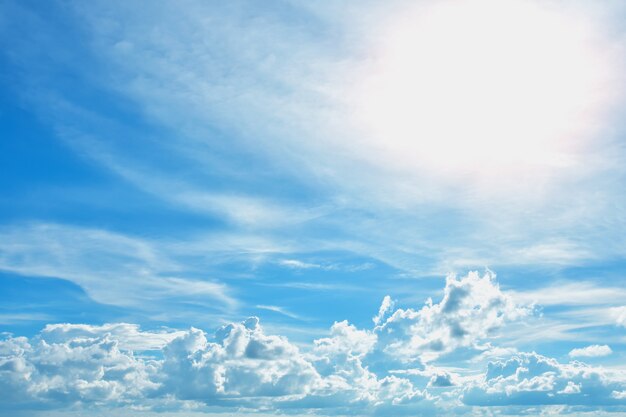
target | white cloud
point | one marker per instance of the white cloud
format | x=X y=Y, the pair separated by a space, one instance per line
x=241 y=362
x=129 y=336
x=241 y=210
x=351 y=371
x=385 y=307
x=351 y=388
x=437 y=377
x=495 y=352
x=240 y=366
x=85 y=364
x=571 y=388
x=345 y=339
x=75 y=370
x=591 y=351
x=471 y=309
x=529 y=379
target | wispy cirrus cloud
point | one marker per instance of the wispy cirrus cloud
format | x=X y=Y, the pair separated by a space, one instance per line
x=279 y=310
x=575 y=293
x=111 y=267
x=215 y=101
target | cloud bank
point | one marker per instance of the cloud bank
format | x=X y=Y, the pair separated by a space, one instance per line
x=240 y=366
x=533 y=379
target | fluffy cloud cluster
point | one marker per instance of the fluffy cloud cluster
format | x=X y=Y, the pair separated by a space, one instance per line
x=68 y=364
x=77 y=369
x=532 y=379
x=238 y=366
x=471 y=309
x=129 y=336
x=350 y=386
x=241 y=362
x=351 y=371
x=345 y=339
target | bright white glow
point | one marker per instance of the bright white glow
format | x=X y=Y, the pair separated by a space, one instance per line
x=483 y=88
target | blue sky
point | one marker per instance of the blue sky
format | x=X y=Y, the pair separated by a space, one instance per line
x=339 y=208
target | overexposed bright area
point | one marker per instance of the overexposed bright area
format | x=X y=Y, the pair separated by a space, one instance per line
x=487 y=90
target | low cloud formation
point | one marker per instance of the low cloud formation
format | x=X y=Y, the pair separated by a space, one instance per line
x=239 y=366
x=241 y=361
x=591 y=351
x=531 y=379
x=38 y=374
x=352 y=371
x=128 y=336
x=471 y=309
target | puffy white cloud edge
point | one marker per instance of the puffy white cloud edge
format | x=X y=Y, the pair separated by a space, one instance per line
x=591 y=351
x=388 y=369
x=532 y=379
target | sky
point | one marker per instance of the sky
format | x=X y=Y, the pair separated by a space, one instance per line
x=333 y=208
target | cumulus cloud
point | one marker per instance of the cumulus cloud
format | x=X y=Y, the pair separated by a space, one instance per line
x=349 y=371
x=385 y=307
x=532 y=379
x=75 y=370
x=70 y=364
x=345 y=339
x=349 y=386
x=129 y=336
x=591 y=351
x=241 y=362
x=238 y=366
x=471 y=309
x=436 y=377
